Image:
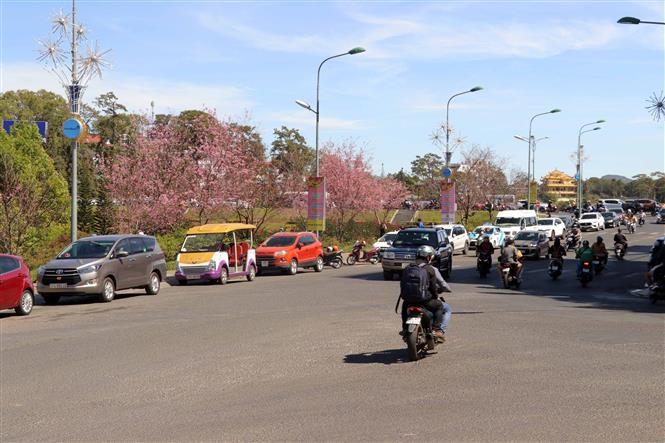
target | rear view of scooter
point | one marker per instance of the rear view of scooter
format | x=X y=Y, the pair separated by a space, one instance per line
x=418 y=334
x=509 y=275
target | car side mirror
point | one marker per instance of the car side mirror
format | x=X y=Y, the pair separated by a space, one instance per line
x=121 y=254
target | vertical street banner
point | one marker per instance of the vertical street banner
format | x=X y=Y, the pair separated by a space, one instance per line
x=447 y=201
x=316 y=204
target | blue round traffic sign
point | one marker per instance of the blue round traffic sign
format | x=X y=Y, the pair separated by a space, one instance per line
x=447 y=172
x=72 y=128
x=577 y=176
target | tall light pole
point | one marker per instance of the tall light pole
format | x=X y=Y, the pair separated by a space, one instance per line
x=74 y=79
x=448 y=153
x=579 y=159
x=305 y=105
x=636 y=21
x=528 y=175
x=533 y=143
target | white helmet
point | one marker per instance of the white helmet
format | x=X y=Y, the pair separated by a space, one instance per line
x=630 y=211
x=425 y=251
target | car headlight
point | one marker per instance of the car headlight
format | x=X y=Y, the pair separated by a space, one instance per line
x=533 y=245
x=280 y=253
x=389 y=255
x=212 y=265
x=89 y=269
x=40 y=270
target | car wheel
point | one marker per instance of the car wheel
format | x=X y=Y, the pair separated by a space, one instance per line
x=466 y=248
x=553 y=236
x=387 y=275
x=293 y=268
x=153 y=285
x=108 y=290
x=51 y=299
x=319 y=264
x=251 y=274
x=25 y=303
x=224 y=276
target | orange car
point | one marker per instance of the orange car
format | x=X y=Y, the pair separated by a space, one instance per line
x=288 y=251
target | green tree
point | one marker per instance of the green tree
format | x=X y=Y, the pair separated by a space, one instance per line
x=290 y=153
x=409 y=181
x=427 y=170
x=42 y=105
x=33 y=196
x=251 y=140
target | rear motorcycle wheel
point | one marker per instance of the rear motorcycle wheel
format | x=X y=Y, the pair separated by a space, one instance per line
x=336 y=263
x=351 y=260
x=412 y=342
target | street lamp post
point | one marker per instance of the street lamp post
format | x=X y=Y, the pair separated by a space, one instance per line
x=533 y=142
x=636 y=21
x=317 y=112
x=579 y=159
x=448 y=153
x=305 y=105
x=530 y=139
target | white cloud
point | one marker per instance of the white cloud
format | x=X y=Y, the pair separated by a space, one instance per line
x=306 y=118
x=427 y=36
x=135 y=92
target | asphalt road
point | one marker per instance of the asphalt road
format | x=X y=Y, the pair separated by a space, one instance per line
x=317 y=357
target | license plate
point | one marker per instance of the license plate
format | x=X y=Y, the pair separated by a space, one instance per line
x=596 y=262
x=413 y=321
x=264 y=264
x=193 y=276
x=57 y=285
x=404 y=265
x=554 y=268
x=586 y=270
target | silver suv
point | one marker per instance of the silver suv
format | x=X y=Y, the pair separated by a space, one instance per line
x=101 y=265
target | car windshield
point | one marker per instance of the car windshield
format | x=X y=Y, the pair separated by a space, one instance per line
x=507 y=221
x=525 y=235
x=608 y=214
x=448 y=231
x=280 y=241
x=87 y=249
x=588 y=216
x=415 y=238
x=546 y=222
x=388 y=238
x=617 y=211
x=206 y=242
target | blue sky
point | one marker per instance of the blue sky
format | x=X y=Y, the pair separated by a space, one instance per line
x=251 y=60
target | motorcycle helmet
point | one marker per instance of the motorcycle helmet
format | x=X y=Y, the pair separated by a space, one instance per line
x=363 y=242
x=329 y=249
x=599 y=239
x=585 y=243
x=335 y=248
x=630 y=211
x=425 y=252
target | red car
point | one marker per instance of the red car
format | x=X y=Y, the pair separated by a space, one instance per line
x=288 y=251
x=16 y=291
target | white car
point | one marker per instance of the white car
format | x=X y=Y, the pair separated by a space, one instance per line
x=592 y=220
x=386 y=241
x=554 y=227
x=459 y=239
x=497 y=237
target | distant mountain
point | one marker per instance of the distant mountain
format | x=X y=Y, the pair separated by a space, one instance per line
x=621 y=178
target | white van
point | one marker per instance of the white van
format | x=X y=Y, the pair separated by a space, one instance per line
x=512 y=222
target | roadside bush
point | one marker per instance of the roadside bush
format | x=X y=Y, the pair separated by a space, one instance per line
x=171 y=242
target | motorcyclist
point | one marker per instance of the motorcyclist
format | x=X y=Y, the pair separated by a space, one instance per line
x=599 y=250
x=642 y=216
x=577 y=234
x=441 y=311
x=630 y=217
x=583 y=254
x=556 y=251
x=656 y=262
x=359 y=248
x=620 y=239
x=510 y=255
x=485 y=247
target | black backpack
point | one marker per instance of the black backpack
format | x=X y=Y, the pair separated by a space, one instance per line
x=414 y=286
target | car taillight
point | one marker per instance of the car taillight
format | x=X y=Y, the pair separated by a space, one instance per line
x=586 y=264
x=415 y=310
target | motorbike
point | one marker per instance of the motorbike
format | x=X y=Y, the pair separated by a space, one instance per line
x=418 y=334
x=555 y=268
x=619 y=250
x=631 y=227
x=586 y=274
x=484 y=264
x=333 y=259
x=657 y=292
x=571 y=242
x=641 y=220
x=509 y=275
x=598 y=264
x=358 y=254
